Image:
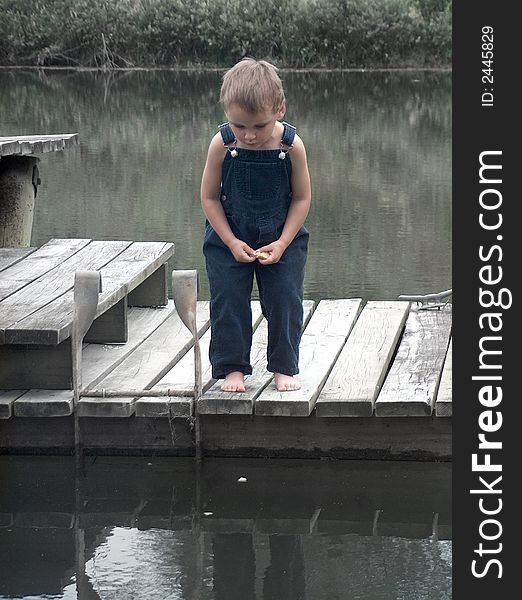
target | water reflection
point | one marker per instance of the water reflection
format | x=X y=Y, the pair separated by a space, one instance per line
x=379 y=147
x=153 y=528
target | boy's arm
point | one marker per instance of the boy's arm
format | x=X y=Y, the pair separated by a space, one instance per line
x=299 y=206
x=211 y=204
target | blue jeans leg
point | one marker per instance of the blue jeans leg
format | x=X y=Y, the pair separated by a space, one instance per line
x=230 y=313
x=281 y=294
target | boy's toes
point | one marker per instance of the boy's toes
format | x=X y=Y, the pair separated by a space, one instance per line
x=234 y=382
x=286 y=383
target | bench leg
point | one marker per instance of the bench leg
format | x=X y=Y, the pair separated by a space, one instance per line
x=153 y=291
x=26 y=366
x=111 y=327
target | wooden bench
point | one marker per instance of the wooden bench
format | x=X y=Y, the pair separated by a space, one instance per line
x=36 y=302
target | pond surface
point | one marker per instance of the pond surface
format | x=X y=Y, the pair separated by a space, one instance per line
x=379 y=150
x=155 y=529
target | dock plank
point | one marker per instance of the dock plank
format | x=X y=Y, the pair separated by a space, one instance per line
x=121 y=274
x=321 y=344
x=10 y=256
x=215 y=401
x=100 y=359
x=7 y=399
x=44 y=403
x=411 y=385
x=48 y=287
x=181 y=377
x=44 y=259
x=443 y=404
x=357 y=376
x=144 y=367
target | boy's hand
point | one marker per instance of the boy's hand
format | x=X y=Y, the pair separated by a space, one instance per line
x=271 y=253
x=241 y=251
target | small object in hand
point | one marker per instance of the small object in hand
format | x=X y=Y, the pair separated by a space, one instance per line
x=263 y=255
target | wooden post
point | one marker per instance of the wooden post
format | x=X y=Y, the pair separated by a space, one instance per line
x=18 y=185
x=87 y=286
x=185 y=294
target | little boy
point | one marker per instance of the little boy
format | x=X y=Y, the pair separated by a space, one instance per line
x=255 y=193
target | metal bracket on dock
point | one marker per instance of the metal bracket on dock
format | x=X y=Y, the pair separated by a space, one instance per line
x=429 y=301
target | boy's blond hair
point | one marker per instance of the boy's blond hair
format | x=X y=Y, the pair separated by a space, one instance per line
x=254 y=85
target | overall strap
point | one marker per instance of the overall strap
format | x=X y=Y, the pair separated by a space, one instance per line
x=227 y=134
x=288 y=134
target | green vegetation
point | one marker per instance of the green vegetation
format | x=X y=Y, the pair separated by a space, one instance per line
x=293 y=33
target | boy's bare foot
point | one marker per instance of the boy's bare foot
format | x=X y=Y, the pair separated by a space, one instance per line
x=234 y=382
x=286 y=383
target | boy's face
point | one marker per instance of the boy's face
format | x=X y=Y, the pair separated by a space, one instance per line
x=254 y=130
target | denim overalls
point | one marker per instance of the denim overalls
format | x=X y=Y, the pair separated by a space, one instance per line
x=255 y=193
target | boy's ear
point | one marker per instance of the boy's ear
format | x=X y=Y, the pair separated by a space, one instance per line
x=282 y=110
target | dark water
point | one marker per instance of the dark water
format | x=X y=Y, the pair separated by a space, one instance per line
x=152 y=529
x=379 y=147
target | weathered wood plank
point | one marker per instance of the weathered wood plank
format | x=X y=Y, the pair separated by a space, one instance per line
x=357 y=376
x=144 y=367
x=99 y=360
x=18 y=318
x=7 y=399
x=411 y=385
x=44 y=403
x=181 y=377
x=10 y=256
x=322 y=341
x=120 y=275
x=33 y=144
x=39 y=262
x=215 y=401
x=443 y=404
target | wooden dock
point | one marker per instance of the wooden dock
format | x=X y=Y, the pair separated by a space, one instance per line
x=375 y=377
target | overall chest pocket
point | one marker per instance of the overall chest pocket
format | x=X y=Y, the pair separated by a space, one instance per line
x=257 y=186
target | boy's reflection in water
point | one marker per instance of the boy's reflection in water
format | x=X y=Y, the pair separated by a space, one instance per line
x=235 y=568
x=284 y=577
